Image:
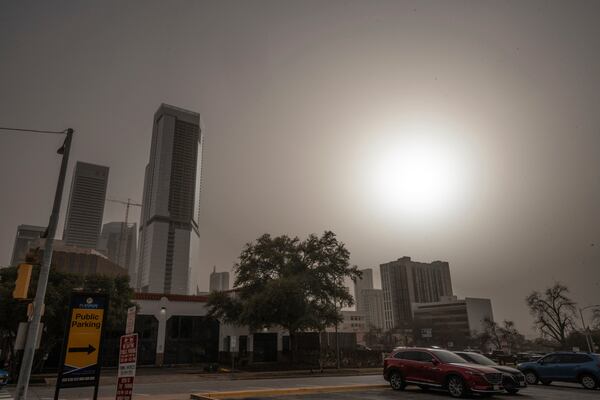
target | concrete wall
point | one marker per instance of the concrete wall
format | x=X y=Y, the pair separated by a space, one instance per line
x=477 y=311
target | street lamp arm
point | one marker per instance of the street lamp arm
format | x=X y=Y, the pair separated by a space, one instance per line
x=591 y=306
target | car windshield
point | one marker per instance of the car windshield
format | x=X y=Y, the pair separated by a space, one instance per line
x=478 y=359
x=448 y=357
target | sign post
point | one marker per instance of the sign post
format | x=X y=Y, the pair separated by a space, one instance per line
x=127 y=362
x=130 y=326
x=232 y=350
x=82 y=346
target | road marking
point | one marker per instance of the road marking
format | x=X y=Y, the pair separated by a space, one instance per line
x=4 y=395
x=284 y=391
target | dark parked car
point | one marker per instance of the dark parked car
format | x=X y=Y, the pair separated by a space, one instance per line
x=512 y=378
x=528 y=356
x=564 y=367
x=439 y=369
x=502 y=357
x=3 y=377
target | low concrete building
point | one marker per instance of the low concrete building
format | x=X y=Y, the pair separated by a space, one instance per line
x=174 y=329
x=76 y=260
x=450 y=322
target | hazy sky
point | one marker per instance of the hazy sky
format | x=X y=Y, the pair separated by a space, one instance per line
x=306 y=108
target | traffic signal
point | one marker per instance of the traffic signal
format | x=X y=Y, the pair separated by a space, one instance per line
x=22 y=282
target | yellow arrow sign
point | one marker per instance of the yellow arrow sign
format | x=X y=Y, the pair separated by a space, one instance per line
x=84 y=337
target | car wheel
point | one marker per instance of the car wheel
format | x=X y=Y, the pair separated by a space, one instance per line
x=588 y=381
x=456 y=386
x=531 y=378
x=397 y=381
x=510 y=385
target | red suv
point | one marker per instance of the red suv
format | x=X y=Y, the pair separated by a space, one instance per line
x=439 y=369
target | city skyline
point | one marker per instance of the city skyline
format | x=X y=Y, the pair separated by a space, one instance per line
x=301 y=101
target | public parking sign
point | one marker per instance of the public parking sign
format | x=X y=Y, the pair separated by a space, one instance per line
x=83 y=341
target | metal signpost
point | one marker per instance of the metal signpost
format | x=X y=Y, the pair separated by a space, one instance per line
x=130 y=320
x=232 y=350
x=127 y=362
x=82 y=346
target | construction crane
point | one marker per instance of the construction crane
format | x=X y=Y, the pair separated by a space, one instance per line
x=124 y=225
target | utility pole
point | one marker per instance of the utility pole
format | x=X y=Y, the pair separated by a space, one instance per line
x=38 y=302
x=588 y=339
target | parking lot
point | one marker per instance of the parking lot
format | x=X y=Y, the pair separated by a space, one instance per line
x=554 y=392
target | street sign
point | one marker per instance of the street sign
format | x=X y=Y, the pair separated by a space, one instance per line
x=233 y=344
x=130 y=320
x=127 y=362
x=128 y=354
x=83 y=343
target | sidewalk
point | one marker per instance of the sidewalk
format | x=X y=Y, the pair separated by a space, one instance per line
x=194 y=374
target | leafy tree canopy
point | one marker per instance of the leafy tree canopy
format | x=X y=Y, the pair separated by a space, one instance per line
x=60 y=286
x=288 y=282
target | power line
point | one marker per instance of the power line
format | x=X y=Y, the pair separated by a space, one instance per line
x=33 y=130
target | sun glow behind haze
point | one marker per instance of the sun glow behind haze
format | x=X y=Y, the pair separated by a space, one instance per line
x=420 y=172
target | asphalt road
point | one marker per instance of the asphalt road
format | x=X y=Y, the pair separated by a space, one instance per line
x=176 y=389
x=531 y=393
x=168 y=388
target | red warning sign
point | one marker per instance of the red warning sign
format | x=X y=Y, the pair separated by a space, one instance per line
x=127 y=362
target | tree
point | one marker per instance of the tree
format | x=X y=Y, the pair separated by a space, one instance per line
x=554 y=312
x=596 y=319
x=283 y=281
x=492 y=332
x=60 y=286
x=505 y=335
x=511 y=335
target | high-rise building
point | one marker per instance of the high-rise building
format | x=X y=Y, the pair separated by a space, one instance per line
x=169 y=236
x=86 y=205
x=405 y=282
x=219 y=281
x=119 y=243
x=372 y=307
x=365 y=282
x=25 y=235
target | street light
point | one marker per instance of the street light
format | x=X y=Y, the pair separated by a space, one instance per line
x=40 y=294
x=588 y=339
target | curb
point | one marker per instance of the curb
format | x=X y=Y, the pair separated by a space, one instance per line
x=285 y=391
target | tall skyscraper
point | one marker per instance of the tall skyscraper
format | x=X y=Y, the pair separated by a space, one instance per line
x=169 y=236
x=86 y=205
x=119 y=244
x=219 y=281
x=365 y=282
x=25 y=235
x=405 y=282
